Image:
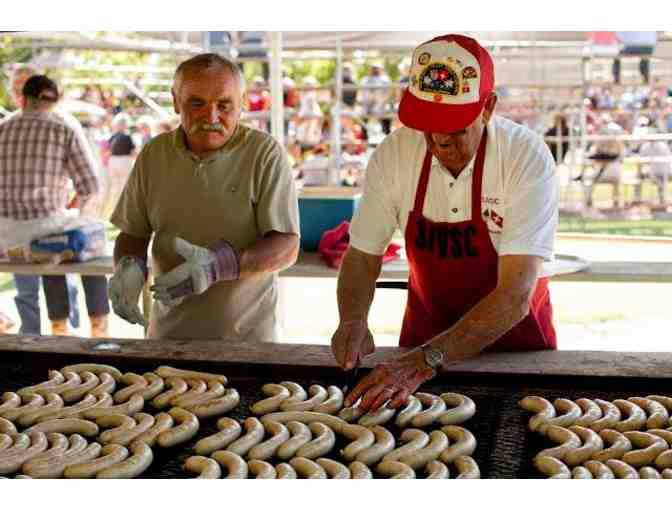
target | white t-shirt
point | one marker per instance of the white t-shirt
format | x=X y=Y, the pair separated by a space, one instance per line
x=519 y=186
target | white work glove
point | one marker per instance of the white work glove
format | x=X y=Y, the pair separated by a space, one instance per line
x=202 y=268
x=125 y=288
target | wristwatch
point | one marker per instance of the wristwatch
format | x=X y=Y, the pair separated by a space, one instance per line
x=433 y=357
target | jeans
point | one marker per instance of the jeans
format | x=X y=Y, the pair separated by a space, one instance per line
x=28 y=301
x=95 y=291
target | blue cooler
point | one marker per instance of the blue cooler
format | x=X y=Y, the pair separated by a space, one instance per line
x=76 y=245
x=322 y=209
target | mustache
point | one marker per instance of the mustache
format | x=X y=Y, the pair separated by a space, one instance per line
x=206 y=126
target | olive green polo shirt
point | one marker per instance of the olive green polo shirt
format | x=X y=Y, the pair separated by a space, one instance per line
x=238 y=193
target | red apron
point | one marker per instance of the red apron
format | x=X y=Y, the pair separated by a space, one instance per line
x=453 y=266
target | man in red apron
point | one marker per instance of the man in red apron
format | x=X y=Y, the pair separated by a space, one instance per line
x=476 y=196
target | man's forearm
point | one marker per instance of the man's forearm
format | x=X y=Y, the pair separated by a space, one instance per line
x=275 y=252
x=357 y=285
x=483 y=325
x=127 y=245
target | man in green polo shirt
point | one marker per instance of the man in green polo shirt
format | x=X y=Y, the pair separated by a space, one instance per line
x=219 y=200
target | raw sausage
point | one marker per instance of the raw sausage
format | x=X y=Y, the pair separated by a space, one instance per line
x=297 y=394
x=276 y=392
x=610 y=416
x=111 y=455
x=599 y=470
x=395 y=470
x=335 y=470
x=657 y=414
x=437 y=470
x=229 y=431
x=132 y=406
x=266 y=449
x=186 y=429
x=322 y=444
x=203 y=467
x=363 y=438
x=261 y=469
x=285 y=472
x=568 y=440
x=552 y=467
x=543 y=408
x=467 y=468
x=234 y=463
x=335 y=423
x=591 y=412
x=166 y=372
x=67 y=426
x=438 y=442
x=216 y=406
x=464 y=443
x=254 y=434
x=592 y=443
x=134 y=384
x=378 y=417
x=94 y=368
x=463 y=408
x=317 y=396
x=133 y=466
x=177 y=386
x=360 y=471
x=384 y=444
x=621 y=469
x=414 y=440
x=308 y=469
x=619 y=445
x=162 y=422
x=11 y=463
x=334 y=402
x=155 y=385
x=649 y=447
x=412 y=409
x=89 y=382
x=635 y=416
x=301 y=435
x=435 y=406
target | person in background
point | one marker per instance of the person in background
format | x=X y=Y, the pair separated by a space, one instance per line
x=349 y=95
x=658 y=171
x=376 y=95
x=37 y=187
x=27 y=297
x=218 y=201
x=146 y=130
x=477 y=198
x=123 y=152
x=258 y=100
x=559 y=128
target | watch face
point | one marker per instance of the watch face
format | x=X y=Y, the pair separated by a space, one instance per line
x=433 y=357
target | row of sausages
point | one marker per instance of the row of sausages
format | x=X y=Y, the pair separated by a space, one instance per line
x=422 y=409
x=123 y=449
x=626 y=438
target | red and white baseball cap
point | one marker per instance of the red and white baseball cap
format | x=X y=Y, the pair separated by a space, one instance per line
x=451 y=77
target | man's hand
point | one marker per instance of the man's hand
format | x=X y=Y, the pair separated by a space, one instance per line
x=125 y=288
x=201 y=269
x=351 y=342
x=392 y=381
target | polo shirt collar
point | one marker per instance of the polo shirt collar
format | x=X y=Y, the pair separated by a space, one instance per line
x=180 y=143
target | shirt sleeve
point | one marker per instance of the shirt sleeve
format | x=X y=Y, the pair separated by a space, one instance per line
x=81 y=165
x=376 y=218
x=277 y=204
x=531 y=214
x=130 y=214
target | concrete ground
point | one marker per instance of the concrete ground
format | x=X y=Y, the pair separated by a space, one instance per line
x=588 y=316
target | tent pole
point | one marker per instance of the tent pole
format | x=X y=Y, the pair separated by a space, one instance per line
x=277 y=105
x=335 y=168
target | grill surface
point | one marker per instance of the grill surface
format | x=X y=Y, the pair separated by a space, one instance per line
x=505 y=446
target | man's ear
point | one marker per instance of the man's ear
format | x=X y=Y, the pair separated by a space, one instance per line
x=176 y=105
x=489 y=108
x=243 y=102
